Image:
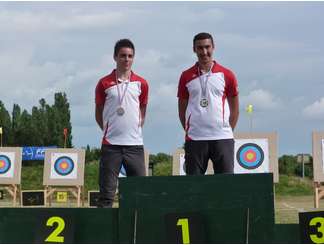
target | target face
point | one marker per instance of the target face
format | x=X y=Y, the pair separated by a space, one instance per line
x=64 y=165
x=5 y=164
x=250 y=156
x=8 y=167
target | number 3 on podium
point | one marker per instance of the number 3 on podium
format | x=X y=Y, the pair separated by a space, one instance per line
x=320 y=229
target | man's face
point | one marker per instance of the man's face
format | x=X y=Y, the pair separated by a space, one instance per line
x=124 y=58
x=204 y=49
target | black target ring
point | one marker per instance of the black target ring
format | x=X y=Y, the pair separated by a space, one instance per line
x=250 y=156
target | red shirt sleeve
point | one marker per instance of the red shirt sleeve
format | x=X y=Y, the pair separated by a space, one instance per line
x=231 y=86
x=182 y=89
x=143 y=98
x=100 y=94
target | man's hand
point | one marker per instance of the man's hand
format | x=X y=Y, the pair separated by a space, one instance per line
x=99 y=110
x=182 y=107
x=233 y=103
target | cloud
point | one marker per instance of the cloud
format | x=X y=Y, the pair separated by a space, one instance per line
x=315 y=110
x=261 y=100
x=28 y=21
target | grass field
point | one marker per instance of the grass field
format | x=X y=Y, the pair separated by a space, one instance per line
x=288 y=207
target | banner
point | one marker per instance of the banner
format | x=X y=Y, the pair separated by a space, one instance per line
x=34 y=152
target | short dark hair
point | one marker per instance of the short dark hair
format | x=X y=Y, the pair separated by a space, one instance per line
x=202 y=36
x=123 y=43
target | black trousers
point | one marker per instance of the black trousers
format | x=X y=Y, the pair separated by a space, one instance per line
x=112 y=159
x=198 y=152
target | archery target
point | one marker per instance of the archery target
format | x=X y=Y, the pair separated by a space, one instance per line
x=7 y=160
x=251 y=156
x=64 y=166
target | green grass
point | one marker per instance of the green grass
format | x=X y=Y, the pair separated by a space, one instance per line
x=32 y=177
x=294 y=186
x=91 y=176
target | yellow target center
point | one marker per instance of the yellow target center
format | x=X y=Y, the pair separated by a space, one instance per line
x=2 y=164
x=64 y=165
x=250 y=156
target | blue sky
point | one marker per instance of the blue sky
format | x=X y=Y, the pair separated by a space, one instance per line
x=274 y=48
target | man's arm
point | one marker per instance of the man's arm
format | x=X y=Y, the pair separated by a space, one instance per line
x=233 y=103
x=182 y=107
x=99 y=110
x=143 y=113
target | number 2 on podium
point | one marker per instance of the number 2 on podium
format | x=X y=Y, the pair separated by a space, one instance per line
x=54 y=236
x=185 y=230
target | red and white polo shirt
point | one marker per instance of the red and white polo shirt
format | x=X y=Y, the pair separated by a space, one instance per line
x=125 y=129
x=211 y=122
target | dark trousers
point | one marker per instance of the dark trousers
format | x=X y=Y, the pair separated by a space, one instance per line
x=198 y=152
x=112 y=159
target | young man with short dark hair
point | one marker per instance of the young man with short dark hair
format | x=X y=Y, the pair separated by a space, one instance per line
x=208 y=107
x=121 y=100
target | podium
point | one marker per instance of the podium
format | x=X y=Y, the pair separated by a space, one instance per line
x=225 y=208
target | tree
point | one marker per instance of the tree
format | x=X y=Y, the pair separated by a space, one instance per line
x=61 y=113
x=15 y=125
x=5 y=123
x=25 y=136
x=161 y=164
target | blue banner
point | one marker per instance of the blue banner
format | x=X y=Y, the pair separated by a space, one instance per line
x=34 y=152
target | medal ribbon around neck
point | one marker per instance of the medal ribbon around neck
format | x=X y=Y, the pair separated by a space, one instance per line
x=121 y=98
x=203 y=84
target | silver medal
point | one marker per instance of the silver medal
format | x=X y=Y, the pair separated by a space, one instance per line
x=120 y=111
x=203 y=102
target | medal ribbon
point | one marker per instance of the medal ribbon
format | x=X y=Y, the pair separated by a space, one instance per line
x=203 y=84
x=121 y=98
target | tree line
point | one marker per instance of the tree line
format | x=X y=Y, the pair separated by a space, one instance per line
x=44 y=126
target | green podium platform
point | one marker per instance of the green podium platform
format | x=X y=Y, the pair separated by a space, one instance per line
x=174 y=209
x=80 y=225
x=235 y=208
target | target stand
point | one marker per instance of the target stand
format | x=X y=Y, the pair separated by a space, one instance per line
x=318 y=166
x=256 y=153
x=10 y=171
x=64 y=171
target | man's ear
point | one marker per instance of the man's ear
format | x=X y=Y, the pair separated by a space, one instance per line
x=114 y=56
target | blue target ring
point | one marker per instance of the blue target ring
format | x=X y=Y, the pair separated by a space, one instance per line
x=5 y=164
x=250 y=156
x=64 y=165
